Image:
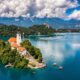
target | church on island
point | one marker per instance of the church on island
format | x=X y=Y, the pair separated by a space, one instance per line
x=15 y=44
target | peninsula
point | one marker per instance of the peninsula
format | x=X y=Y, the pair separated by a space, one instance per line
x=20 y=53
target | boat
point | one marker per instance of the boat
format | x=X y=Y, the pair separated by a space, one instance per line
x=60 y=67
x=55 y=64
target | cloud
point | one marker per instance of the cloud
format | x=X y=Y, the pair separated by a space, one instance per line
x=53 y=8
x=36 y=8
x=14 y=8
x=75 y=15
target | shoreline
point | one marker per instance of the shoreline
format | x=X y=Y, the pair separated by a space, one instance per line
x=38 y=66
x=33 y=63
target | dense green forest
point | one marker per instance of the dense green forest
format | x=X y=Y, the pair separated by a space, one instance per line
x=11 y=30
x=9 y=56
x=35 y=52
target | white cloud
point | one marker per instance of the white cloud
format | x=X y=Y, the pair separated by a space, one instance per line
x=75 y=15
x=35 y=8
x=53 y=8
x=14 y=8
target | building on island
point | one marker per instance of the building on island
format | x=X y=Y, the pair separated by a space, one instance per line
x=15 y=44
x=18 y=38
x=46 y=25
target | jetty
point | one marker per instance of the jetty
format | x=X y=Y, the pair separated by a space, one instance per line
x=8 y=65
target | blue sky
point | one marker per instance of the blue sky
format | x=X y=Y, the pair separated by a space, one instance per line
x=70 y=10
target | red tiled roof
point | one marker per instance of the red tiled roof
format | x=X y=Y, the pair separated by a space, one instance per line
x=14 y=45
x=21 y=49
x=13 y=39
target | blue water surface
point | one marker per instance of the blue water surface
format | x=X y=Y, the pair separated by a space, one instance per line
x=63 y=50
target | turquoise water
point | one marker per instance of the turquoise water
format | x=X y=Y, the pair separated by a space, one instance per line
x=64 y=50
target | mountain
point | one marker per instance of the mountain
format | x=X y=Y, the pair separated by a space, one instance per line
x=54 y=22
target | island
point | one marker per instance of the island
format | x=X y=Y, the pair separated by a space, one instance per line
x=20 y=53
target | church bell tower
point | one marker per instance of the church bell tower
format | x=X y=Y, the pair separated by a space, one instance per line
x=18 y=36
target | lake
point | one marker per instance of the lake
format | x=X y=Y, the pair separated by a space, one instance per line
x=63 y=50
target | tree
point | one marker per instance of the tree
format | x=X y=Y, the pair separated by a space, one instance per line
x=5 y=59
x=35 y=52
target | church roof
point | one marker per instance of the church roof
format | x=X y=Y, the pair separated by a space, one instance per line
x=13 y=39
x=13 y=42
x=21 y=49
x=14 y=45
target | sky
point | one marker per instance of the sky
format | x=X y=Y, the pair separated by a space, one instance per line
x=65 y=9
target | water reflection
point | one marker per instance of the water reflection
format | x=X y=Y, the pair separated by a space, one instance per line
x=58 y=49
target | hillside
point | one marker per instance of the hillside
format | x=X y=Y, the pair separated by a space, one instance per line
x=54 y=22
x=6 y=30
x=45 y=29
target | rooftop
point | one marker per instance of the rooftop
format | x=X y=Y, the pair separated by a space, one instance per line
x=13 y=39
x=21 y=49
